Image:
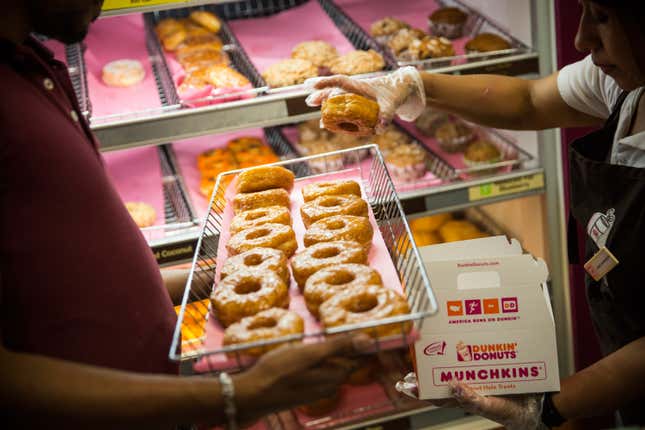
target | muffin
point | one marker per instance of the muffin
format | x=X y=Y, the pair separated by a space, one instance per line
x=293 y=71
x=430 y=47
x=454 y=136
x=481 y=153
x=357 y=63
x=430 y=120
x=487 y=42
x=383 y=29
x=406 y=162
x=447 y=22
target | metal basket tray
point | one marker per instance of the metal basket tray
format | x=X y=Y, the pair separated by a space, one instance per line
x=239 y=59
x=387 y=210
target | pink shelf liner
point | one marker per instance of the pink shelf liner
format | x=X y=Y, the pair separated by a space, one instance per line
x=356 y=402
x=378 y=257
x=57 y=48
x=186 y=152
x=112 y=39
x=415 y=13
x=136 y=174
x=455 y=159
x=270 y=39
x=428 y=180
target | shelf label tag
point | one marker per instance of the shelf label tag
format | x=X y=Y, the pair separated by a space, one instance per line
x=122 y=4
x=509 y=186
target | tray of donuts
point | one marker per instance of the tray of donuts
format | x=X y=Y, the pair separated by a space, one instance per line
x=204 y=60
x=411 y=164
x=288 y=256
x=432 y=34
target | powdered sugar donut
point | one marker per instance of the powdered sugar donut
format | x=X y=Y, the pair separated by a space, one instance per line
x=123 y=73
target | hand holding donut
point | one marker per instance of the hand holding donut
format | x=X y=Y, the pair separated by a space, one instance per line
x=399 y=93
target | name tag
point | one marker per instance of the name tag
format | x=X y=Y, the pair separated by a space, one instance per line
x=601 y=264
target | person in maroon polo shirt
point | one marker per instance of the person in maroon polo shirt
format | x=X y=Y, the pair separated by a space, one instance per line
x=87 y=317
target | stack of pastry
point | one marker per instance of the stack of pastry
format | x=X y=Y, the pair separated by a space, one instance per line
x=410 y=44
x=440 y=228
x=241 y=152
x=200 y=52
x=252 y=298
x=318 y=58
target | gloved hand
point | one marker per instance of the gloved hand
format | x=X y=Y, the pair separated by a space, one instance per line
x=398 y=93
x=521 y=412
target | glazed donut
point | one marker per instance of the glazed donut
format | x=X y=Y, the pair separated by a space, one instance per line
x=142 y=213
x=326 y=206
x=269 y=324
x=259 y=260
x=365 y=303
x=276 y=236
x=264 y=178
x=261 y=199
x=206 y=20
x=246 y=293
x=325 y=254
x=350 y=113
x=330 y=188
x=123 y=73
x=253 y=218
x=340 y=227
x=327 y=282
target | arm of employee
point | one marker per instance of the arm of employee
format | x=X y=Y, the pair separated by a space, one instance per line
x=53 y=392
x=490 y=100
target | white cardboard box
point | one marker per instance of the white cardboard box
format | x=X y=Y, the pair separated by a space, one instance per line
x=494 y=329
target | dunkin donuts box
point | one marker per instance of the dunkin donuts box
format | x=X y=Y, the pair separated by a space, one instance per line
x=494 y=329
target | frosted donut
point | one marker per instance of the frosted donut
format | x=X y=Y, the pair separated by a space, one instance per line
x=123 y=73
x=264 y=178
x=330 y=188
x=276 y=236
x=325 y=254
x=143 y=214
x=260 y=260
x=206 y=20
x=261 y=199
x=326 y=206
x=327 y=282
x=247 y=293
x=340 y=227
x=365 y=304
x=253 y=218
x=269 y=324
x=350 y=113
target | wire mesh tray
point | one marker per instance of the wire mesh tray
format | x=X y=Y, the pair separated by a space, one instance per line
x=239 y=59
x=399 y=246
x=440 y=171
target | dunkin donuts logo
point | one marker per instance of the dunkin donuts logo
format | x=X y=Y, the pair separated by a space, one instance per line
x=488 y=306
x=485 y=352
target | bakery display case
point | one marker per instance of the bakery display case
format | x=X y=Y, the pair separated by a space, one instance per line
x=490 y=181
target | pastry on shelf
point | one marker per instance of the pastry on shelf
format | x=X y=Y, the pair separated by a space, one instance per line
x=387 y=27
x=401 y=41
x=142 y=213
x=426 y=238
x=391 y=138
x=206 y=20
x=123 y=73
x=357 y=62
x=486 y=42
x=317 y=52
x=454 y=136
x=481 y=153
x=328 y=163
x=292 y=71
x=429 y=224
x=406 y=162
x=448 y=22
x=430 y=120
x=457 y=230
x=429 y=47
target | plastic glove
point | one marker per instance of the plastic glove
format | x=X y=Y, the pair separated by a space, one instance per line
x=399 y=93
x=521 y=412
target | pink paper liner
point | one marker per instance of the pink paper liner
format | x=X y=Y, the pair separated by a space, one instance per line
x=136 y=174
x=455 y=159
x=427 y=180
x=112 y=39
x=186 y=152
x=378 y=258
x=355 y=402
x=365 y=12
x=270 y=39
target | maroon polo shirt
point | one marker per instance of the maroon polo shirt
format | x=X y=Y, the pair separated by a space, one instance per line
x=77 y=278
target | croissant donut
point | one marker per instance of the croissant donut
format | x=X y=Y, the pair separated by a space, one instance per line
x=350 y=114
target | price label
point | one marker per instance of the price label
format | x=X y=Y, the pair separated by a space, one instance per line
x=123 y=4
x=509 y=186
